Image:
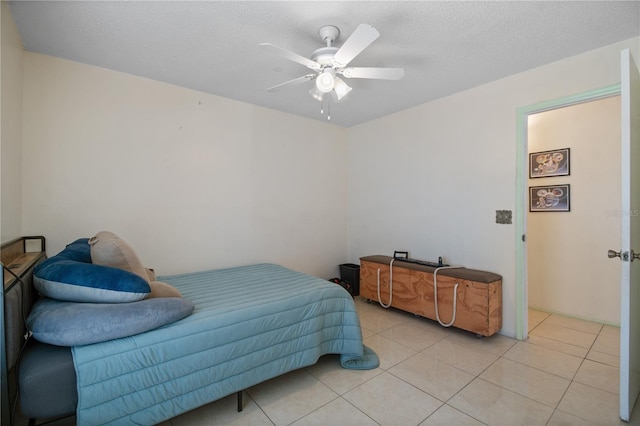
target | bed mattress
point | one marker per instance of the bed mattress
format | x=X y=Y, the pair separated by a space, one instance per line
x=250 y=324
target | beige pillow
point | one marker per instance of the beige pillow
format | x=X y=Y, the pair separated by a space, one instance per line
x=108 y=249
x=151 y=274
x=160 y=289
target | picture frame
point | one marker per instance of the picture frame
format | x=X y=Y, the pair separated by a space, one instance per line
x=550 y=198
x=549 y=163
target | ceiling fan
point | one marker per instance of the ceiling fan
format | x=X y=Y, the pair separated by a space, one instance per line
x=330 y=62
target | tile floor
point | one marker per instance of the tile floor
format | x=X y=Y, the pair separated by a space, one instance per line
x=565 y=374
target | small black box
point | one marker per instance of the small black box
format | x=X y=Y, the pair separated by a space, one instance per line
x=350 y=272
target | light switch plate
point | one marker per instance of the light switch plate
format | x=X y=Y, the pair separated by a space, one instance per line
x=503 y=217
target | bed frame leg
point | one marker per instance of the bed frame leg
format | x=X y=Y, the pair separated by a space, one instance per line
x=239 y=401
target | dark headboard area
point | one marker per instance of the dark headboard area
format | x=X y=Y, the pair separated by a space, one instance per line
x=18 y=258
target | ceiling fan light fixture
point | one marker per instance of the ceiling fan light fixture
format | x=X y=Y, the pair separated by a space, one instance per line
x=316 y=94
x=326 y=80
x=341 y=89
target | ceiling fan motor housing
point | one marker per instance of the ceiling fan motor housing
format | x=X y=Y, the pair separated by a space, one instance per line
x=324 y=55
x=329 y=34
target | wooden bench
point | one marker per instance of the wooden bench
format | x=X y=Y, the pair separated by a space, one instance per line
x=478 y=293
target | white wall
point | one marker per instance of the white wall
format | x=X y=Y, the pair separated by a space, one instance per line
x=192 y=181
x=568 y=270
x=11 y=63
x=430 y=179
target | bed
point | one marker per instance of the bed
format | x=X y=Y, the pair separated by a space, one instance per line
x=248 y=324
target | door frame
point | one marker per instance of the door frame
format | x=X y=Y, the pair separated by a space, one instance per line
x=522 y=176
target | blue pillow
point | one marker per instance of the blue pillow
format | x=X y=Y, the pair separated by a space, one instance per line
x=73 y=324
x=70 y=276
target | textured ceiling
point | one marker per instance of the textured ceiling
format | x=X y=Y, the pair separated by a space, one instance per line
x=212 y=46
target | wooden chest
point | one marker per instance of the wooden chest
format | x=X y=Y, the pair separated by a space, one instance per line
x=478 y=293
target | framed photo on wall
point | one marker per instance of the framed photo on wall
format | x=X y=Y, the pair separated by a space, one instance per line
x=549 y=163
x=551 y=198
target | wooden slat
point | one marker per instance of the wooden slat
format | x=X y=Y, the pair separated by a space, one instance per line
x=19 y=265
x=11 y=251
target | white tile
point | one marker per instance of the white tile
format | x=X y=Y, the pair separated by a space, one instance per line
x=363 y=306
x=329 y=371
x=535 y=318
x=292 y=396
x=427 y=364
x=612 y=360
x=448 y=416
x=554 y=362
x=591 y=404
x=360 y=302
x=432 y=376
x=531 y=324
x=530 y=382
x=367 y=333
x=337 y=412
x=223 y=411
x=413 y=335
x=494 y=405
x=599 y=376
x=574 y=324
x=610 y=331
x=608 y=344
x=461 y=354
x=389 y=352
x=379 y=319
x=566 y=335
x=560 y=418
x=496 y=344
x=558 y=346
x=390 y=401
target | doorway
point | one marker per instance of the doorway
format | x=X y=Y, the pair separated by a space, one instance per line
x=524 y=116
x=573 y=218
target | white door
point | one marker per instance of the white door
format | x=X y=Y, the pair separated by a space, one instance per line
x=629 y=212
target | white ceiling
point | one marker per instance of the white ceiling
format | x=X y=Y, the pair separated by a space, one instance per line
x=212 y=46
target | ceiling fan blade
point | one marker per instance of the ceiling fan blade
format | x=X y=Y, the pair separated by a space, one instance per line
x=373 y=72
x=293 y=82
x=361 y=38
x=292 y=56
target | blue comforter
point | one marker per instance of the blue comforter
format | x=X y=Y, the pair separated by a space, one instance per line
x=250 y=324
